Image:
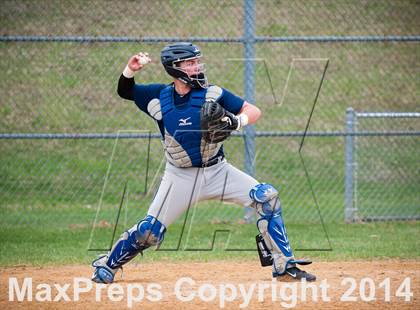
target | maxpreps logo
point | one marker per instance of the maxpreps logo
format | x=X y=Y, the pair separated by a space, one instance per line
x=184 y=122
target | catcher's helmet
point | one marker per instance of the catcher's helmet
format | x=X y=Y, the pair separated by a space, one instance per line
x=172 y=54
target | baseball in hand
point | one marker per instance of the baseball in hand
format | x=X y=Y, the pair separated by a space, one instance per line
x=143 y=60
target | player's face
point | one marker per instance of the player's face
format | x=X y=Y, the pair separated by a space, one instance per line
x=192 y=67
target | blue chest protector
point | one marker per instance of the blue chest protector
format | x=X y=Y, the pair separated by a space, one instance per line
x=184 y=124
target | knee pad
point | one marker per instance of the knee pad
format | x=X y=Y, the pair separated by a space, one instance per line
x=265 y=200
x=150 y=232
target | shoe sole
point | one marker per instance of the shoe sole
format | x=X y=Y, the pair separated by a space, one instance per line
x=289 y=278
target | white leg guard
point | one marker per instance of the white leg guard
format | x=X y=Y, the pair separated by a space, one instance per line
x=275 y=238
x=271 y=226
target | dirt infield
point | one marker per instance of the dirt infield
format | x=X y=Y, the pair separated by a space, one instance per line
x=214 y=285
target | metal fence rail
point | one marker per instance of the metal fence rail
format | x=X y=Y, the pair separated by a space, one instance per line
x=256 y=39
x=114 y=136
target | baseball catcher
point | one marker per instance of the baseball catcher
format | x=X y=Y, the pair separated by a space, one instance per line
x=194 y=119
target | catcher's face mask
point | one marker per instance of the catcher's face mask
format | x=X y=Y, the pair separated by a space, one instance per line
x=192 y=71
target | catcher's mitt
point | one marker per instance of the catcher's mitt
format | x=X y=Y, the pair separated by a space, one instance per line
x=216 y=123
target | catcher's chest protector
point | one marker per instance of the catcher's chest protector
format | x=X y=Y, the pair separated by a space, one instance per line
x=182 y=127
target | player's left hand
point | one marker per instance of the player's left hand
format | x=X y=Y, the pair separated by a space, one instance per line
x=216 y=123
x=232 y=121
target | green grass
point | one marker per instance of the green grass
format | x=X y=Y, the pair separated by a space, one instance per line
x=43 y=236
x=273 y=18
x=51 y=245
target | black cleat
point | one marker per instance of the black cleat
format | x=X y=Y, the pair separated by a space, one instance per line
x=294 y=274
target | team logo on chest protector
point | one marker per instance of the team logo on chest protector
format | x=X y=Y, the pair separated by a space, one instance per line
x=184 y=121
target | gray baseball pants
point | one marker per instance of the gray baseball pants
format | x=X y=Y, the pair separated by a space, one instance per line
x=182 y=188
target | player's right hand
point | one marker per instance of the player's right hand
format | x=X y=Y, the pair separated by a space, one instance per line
x=138 y=61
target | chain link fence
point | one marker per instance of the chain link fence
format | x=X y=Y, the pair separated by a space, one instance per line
x=386 y=174
x=61 y=61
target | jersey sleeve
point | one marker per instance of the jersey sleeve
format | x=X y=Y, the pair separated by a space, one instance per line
x=230 y=101
x=144 y=93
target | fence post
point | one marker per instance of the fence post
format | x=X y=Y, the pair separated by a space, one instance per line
x=349 y=167
x=249 y=81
